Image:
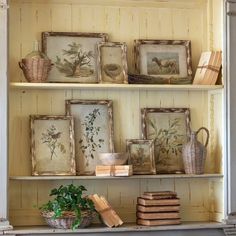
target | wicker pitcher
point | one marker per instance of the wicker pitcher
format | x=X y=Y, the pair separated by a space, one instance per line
x=194 y=153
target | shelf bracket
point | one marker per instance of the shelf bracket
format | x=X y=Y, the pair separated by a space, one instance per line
x=230 y=232
x=3 y=5
x=231 y=219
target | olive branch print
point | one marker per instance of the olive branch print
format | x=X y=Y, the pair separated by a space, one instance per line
x=167 y=140
x=87 y=143
x=51 y=139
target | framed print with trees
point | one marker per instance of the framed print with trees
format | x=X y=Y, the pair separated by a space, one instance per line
x=74 y=55
x=93 y=131
x=170 y=129
x=52 y=145
x=141 y=156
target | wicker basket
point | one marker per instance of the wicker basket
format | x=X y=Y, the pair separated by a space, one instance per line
x=35 y=69
x=67 y=219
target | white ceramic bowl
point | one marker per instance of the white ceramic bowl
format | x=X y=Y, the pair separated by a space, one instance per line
x=108 y=159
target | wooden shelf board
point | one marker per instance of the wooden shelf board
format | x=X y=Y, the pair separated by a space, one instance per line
x=170 y=176
x=124 y=228
x=24 y=86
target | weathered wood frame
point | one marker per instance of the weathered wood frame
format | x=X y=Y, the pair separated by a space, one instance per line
x=72 y=170
x=150 y=143
x=159 y=79
x=109 y=105
x=103 y=36
x=144 y=124
x=124 y=65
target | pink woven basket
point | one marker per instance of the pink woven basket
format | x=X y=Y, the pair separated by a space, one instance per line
x=35 y=69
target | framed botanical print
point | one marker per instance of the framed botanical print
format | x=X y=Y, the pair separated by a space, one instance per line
x=112 y=63
x=74 y=55
x=93 y=131
x=164 y=59
x=141 y=156
x=52 y=145
x=170 y=129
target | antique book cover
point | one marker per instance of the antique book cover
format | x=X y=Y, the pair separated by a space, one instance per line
x=208 y=68
x=115 y=170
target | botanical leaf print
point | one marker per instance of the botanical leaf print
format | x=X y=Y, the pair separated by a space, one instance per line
x=87 y=143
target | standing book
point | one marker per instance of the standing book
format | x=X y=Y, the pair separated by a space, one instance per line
x=208 y=68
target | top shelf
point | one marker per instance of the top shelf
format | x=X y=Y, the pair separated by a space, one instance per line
x=21 y=85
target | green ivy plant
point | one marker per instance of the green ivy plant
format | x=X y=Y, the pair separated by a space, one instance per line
x=69 y=198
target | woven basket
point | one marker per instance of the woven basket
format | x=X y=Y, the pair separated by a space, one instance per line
x=67 y=219
x=35 y=69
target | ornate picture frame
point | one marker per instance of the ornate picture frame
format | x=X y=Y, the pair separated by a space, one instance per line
x=112 y=63
x=170 y=129
x=141 y=156
x=74 y=55
x=164 y=61
x=52 y=145
x=93 y=131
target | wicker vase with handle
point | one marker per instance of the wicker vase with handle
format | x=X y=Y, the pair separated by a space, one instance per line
x=194 y=153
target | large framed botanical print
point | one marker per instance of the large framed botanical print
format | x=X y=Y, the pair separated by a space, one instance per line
x=170 y=129
x=93 y=131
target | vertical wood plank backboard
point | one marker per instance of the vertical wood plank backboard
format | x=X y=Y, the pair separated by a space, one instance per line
x=124 y=21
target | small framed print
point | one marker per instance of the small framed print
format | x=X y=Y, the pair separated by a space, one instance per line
x=169 y=60
x=141 y=156
x=112 y=63
x=93 y=132
x=74 y=55
x=170 y=129
x=52 y=145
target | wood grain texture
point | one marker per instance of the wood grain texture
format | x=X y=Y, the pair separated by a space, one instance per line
x=124 y=21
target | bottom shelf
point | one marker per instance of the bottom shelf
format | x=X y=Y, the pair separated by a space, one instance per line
x=124 y=228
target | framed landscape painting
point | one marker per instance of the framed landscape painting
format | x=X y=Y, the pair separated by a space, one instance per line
x=52 y=145
x=74 y=55
x=112 y=63
x=164 y=59
x=141 y=156
x=170 y=129
x=93 y=131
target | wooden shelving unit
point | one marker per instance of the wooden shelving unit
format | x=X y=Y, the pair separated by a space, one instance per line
x=202 y=196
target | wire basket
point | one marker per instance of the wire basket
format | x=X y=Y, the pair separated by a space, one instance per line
x=67 y=219
x=35 y=69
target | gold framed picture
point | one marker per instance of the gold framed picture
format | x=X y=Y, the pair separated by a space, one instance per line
x=52 y=145
x=141 y=156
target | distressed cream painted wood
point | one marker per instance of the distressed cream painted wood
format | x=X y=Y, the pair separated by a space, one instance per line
x=127 y=228
x=3 y=110
x=123 y=20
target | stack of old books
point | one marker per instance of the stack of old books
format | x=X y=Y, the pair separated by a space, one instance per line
x=208 y=68
x=107 y=213
x=114 y=170
x=158 y=208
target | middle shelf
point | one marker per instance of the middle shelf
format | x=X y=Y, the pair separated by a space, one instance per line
x=167 y=176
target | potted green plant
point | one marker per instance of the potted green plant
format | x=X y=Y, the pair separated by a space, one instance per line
x=69 y=208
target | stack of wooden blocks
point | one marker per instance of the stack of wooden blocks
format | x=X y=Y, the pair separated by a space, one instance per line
x=158 y=208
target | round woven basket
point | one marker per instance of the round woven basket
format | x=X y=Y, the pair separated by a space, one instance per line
x=35 y=69
x=67 y=219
